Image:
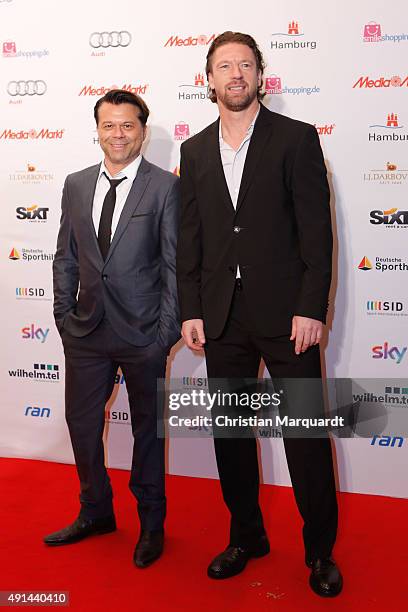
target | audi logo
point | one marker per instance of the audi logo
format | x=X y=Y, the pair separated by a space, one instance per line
x=26 y=88
x=110 y=39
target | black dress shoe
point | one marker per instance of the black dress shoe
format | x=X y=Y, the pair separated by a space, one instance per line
x=149 y=547
x=234 y=559
x=325 y=579
x=81 y=528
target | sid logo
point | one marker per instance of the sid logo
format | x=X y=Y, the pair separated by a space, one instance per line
x=32 y=333
x=385 y=352
x=32 y=213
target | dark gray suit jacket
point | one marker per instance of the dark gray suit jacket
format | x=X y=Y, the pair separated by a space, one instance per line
x=136 y=285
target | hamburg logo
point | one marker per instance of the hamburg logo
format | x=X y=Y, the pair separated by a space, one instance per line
x=391 y=126
x=290 y=37
x=194 y=91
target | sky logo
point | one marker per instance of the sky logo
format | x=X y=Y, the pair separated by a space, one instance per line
x=32 y=332
x=385 y=352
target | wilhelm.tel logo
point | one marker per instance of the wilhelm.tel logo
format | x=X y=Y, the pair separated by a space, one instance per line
x=392 y=218
x=194 y=91
x=390 y=130
x=291 y=39
x=41 y=372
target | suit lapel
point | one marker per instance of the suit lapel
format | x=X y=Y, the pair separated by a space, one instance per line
x=89 y=193
x=260 y=136
x=215 y=164
x=132 y=201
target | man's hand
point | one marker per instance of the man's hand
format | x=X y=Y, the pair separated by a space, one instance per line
x=193 y=334
x=306 y=332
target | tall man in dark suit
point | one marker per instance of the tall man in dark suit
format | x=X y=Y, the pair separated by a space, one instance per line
x=115 y=304
x=254 y=271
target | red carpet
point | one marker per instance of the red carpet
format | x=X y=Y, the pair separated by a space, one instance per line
x=39 y=497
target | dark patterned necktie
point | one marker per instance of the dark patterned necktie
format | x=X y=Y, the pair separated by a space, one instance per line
x=105 y=223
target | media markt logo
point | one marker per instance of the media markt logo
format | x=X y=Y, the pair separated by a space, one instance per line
x=372 y=33
x=43 y=134
x=34 y=213
x=9 y=48
x=190 y=41
x=326 y=129
x=385 y=308
x=40 y=372
x=393 y=81
x=384 y=264
x=389 y=175
x=31 y=293
x=386 y=351
x=291 y=39
x=392 y=218
x=273 y=86
x=31 y=176
x=193 y=91
x=101 y=90
x=30 y=255
x=389 y=131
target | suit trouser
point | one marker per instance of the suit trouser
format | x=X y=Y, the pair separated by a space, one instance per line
x=91 y=364
x=236 y=354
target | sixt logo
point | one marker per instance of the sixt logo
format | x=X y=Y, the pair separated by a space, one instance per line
x=32 y=333
x=191 y=41
x=391 y=218
x=43 y=134
x=394 y=81
x=384 y=352
x=32 y=213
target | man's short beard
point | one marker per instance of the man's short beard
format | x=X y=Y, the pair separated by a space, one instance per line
x=238 y=105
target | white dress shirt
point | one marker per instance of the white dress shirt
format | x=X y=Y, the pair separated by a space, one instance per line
x=122 y=192
x=233 y=164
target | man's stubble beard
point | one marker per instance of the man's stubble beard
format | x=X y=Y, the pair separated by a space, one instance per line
x=238 y=105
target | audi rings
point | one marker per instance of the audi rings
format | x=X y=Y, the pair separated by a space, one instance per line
x=26 y=88
x=110 y=39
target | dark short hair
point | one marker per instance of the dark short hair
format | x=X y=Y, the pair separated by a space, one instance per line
x=121 y=96
x=242 y=39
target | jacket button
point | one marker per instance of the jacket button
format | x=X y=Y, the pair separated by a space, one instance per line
x=104 y=276
x=237 y=229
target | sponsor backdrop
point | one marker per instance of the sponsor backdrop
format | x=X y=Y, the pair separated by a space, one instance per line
x=343 y=72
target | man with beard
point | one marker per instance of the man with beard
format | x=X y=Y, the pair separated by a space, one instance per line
x=254 y=272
